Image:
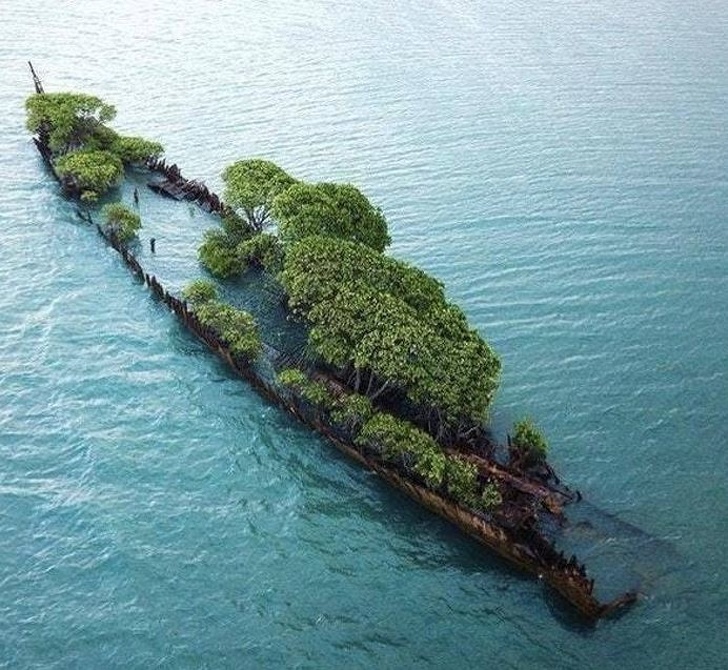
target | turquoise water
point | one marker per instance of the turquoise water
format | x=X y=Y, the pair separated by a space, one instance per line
x=561 y=167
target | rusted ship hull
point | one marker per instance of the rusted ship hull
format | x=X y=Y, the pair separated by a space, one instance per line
x=529 y=552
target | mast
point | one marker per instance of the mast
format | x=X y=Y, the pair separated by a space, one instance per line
x=36 y=79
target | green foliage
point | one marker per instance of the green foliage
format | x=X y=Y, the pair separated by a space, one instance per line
x=235 y=327
x=236 y=228
x=529 y=441
x=490 y=497
x=218 y=253
x=251 y=186
x=431 y=465
x=121 y=221
x=349 y=409
x=316 y=269
x=292 y=378
x=90 y=155
x=352 y=410
x=395 y=437
x=225 y=254
x=462 y=481
x=102 y=138
x=392 y=324
x=331 y=210
x=199 y=291
x=262 y=249
x=315 y=392
x=90 y=172
x=400 y=441
x=135 y=149
x=69 y=118
x=128 y=149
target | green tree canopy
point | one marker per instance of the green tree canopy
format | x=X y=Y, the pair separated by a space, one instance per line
x=320 y=266
x=121 y=221
x=389 y=327
x=199 y=291
x=129 y=149
x=102 y=138
x=334 y=210
x=218 y=253
x=401 y=442
x=529 y=442
x=135 y=149
x=88 y=155
x=263 y=250
x=251 y=186
x=90 y=173
x=236 y=327
x=314 y=391
x=69 y=118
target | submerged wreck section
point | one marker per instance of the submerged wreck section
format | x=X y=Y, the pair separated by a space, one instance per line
x=502 y=532
x=453 y=469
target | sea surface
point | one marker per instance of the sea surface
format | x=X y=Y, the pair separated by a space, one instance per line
x=560 y=165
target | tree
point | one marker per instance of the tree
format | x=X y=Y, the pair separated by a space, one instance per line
x=218 y=253
x=102 y=138
x=491 y=496
x=388 y=329
x=135 y=149
x=236 y=327
x=318 y=266
x=333 y=210
x=313 y=391
x=352 y=410
x=121 y=221
x=129 y=149
x=528 y=443
x=199 y=291
x=251 y=186
x=88 y=155
x=400 y=442
x=462 y=481
x=235 y=227
x=262 y=250
x=68 y=118
x=90 y=173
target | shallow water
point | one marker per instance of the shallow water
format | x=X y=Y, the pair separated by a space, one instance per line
x=561 y=168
